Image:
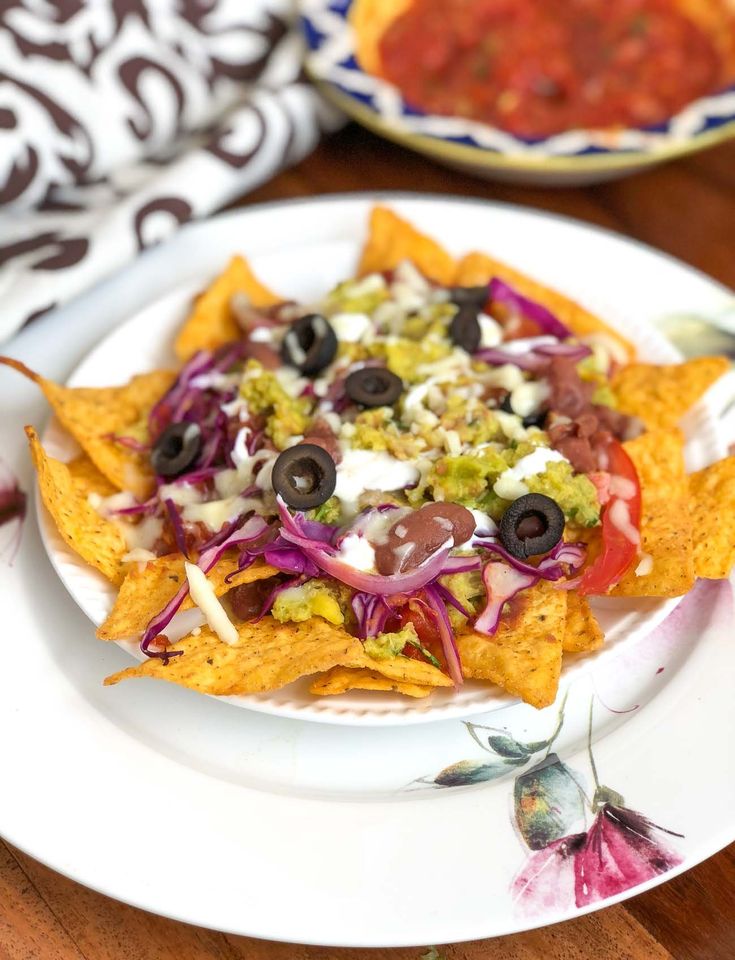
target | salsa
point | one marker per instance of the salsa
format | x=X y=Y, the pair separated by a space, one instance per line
x=540 y=67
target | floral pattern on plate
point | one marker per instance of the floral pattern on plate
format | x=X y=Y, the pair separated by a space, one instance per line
x=582 y=843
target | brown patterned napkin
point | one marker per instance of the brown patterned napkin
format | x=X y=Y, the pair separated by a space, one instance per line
x=122 y=119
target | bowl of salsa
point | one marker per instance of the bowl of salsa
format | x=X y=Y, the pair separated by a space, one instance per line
x=541 y=91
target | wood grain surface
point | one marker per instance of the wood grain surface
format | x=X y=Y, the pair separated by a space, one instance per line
x=687 y=209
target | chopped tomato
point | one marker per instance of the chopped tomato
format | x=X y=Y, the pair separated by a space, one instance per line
x=621 y=522
x=415 y=613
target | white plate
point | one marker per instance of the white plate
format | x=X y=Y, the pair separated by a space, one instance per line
x=144 y=342
x=330 y=834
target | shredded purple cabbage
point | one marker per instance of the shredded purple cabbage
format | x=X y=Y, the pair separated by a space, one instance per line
x=371 y=612
x=253 y=529
x=177 y=524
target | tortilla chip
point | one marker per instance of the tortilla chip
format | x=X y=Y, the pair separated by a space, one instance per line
x=370 y=19
x=712 y=507
x=87 y=478
x=477 y=268
x=146 y=591
x=524 y=656
x=402 y=669
x=95 y=539
x=666 y=526
x=341 y=679
x=582 y=632
x=661 y=395
x=268 y=656
x=391 y=240
x=93 y=414
x=211 y=323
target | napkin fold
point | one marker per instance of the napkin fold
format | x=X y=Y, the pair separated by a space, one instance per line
x=120 y=120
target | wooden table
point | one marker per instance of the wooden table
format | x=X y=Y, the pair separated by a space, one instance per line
x=686 y=208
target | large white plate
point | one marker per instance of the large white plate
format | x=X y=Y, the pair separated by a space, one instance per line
x=333 y=834
x=145 y=342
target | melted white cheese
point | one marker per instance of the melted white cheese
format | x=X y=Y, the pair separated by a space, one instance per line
x=182 y=494
x=217 y=513
x=507 y=377
x=204 y=597
x=491 y=333
x=143 y=535
x=351 y=327
x=527 y=397
x=645 y=565
x=362 y=470
x=510 y=485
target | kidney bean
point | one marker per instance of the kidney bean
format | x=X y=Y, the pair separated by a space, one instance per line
x=246 y=599
x=416 y=536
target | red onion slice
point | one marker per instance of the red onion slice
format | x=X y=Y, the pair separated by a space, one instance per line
x=501 y=292
x=444 y=625
x=502 y=583
x=324 y=557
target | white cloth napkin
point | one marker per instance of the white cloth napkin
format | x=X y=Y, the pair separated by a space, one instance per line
x=122 y=119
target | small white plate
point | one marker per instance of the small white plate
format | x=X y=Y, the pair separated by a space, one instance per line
x=343 y=835
x=144 y=342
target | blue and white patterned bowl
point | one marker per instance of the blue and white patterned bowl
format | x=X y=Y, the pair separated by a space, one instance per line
x=566 y=159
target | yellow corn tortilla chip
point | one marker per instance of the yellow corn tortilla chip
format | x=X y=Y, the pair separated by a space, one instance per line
x=92 y=414
x=661 y=395
x=87 y=478
x=341 y=679
x=95 y=539
x=477 y=268
x=402 y=669
x=370 y=19
x=712 y=505
x=211 y=323
x=582 y=632
x=146 y=591
x=268 y=655
x=666 y=525
x=392 y=239
x=524 y=656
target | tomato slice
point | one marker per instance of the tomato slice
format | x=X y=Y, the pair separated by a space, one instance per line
x=620 y=516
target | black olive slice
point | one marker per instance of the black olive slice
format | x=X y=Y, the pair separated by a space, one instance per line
x=465 y=328
x=373 y=387
x=475 y=297
x=310 y=345
x=177 y=449
x=305 y=476
x=531 y=525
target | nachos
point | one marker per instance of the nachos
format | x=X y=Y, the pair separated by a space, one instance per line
x=419 y=479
